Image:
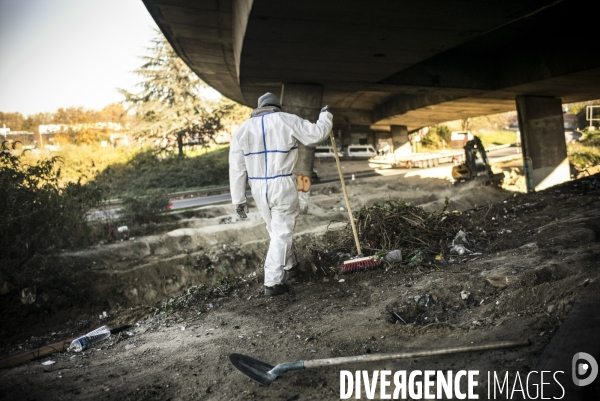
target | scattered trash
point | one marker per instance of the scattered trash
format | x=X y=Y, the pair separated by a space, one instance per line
x=91 y=338
x=464 y=295
x=28 y=295
x=393 y=256
x=48 y=363
x=182 y=328
x=459 y=250
x=399 y=318
x=396 y=225
x=503 y=231
x=460 y=236
x=130 y=346
x=424 y=300
x=341 y=280
x=122 y=229
x=122 y=328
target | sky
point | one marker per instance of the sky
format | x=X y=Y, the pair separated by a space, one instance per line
x=70 y=53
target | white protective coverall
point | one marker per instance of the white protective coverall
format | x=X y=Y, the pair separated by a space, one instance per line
x=263 y=152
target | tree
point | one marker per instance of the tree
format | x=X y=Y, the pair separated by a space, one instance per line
x=14 y=121
x=114 y=112
x=39 y=215
x=169 y=108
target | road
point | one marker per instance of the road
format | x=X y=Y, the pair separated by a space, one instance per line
x=494 y=156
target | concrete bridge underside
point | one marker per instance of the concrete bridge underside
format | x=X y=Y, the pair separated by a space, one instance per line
x=389 y=63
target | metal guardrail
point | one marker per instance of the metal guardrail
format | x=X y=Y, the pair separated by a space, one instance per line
x=194 y=193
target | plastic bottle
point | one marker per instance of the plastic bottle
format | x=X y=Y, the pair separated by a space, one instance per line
x=394 y=256
x=91 y=338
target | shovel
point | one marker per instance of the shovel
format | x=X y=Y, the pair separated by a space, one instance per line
x=264 y=374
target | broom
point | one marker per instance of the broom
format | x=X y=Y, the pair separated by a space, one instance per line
x=360 y=262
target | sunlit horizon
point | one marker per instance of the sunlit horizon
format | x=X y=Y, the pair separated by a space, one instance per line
x=71 y=53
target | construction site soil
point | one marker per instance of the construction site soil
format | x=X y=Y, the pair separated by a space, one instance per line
x=195 y=295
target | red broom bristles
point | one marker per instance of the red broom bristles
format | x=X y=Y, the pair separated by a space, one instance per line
x=360 y=264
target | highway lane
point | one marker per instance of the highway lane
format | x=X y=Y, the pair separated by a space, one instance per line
x=493 y=156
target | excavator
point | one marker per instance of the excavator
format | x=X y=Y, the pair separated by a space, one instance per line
x=476 y=166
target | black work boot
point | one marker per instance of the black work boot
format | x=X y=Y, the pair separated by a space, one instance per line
x=291 y=273
x=277 y=289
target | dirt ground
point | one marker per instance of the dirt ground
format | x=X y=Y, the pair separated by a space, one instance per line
x=194 y=296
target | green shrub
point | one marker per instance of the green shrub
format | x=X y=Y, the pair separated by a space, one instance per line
x=444 y=133
x=150 y=172
x=431 y=141
x=40 y=216
x=585 y=153
x=144 y=210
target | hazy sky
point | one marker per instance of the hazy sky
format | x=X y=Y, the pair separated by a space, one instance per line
x=63 y=53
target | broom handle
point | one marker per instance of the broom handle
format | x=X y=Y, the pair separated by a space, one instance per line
x=417 y=354
x=339 y=167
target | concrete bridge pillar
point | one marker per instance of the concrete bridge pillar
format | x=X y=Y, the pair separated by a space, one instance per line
x=543 y=141
x=303 y=100
x=400 y=139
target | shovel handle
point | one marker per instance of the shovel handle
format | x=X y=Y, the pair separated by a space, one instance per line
x=339 y=167
x=317 y=363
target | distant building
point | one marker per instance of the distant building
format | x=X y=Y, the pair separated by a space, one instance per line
x=25 y=137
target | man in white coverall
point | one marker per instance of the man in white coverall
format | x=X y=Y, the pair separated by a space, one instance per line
x=263 y=153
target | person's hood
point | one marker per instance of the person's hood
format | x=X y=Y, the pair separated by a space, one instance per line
x=265 y=110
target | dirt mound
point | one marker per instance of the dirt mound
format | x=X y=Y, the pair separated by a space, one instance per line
x=530 y=274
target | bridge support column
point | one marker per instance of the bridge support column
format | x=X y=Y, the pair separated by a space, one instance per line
x=543 y=141
x=400 y=139
x=303 y=100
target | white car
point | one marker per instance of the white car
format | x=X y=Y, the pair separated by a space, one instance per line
x=326 y=151
x=361 y=151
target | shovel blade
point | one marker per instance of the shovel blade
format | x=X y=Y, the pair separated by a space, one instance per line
x=252 y=368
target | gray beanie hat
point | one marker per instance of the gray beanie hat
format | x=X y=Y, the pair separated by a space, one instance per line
x=268 y=99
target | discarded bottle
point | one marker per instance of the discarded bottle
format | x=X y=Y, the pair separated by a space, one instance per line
x=459 y=250
x=394 y=256
x=91 y=338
